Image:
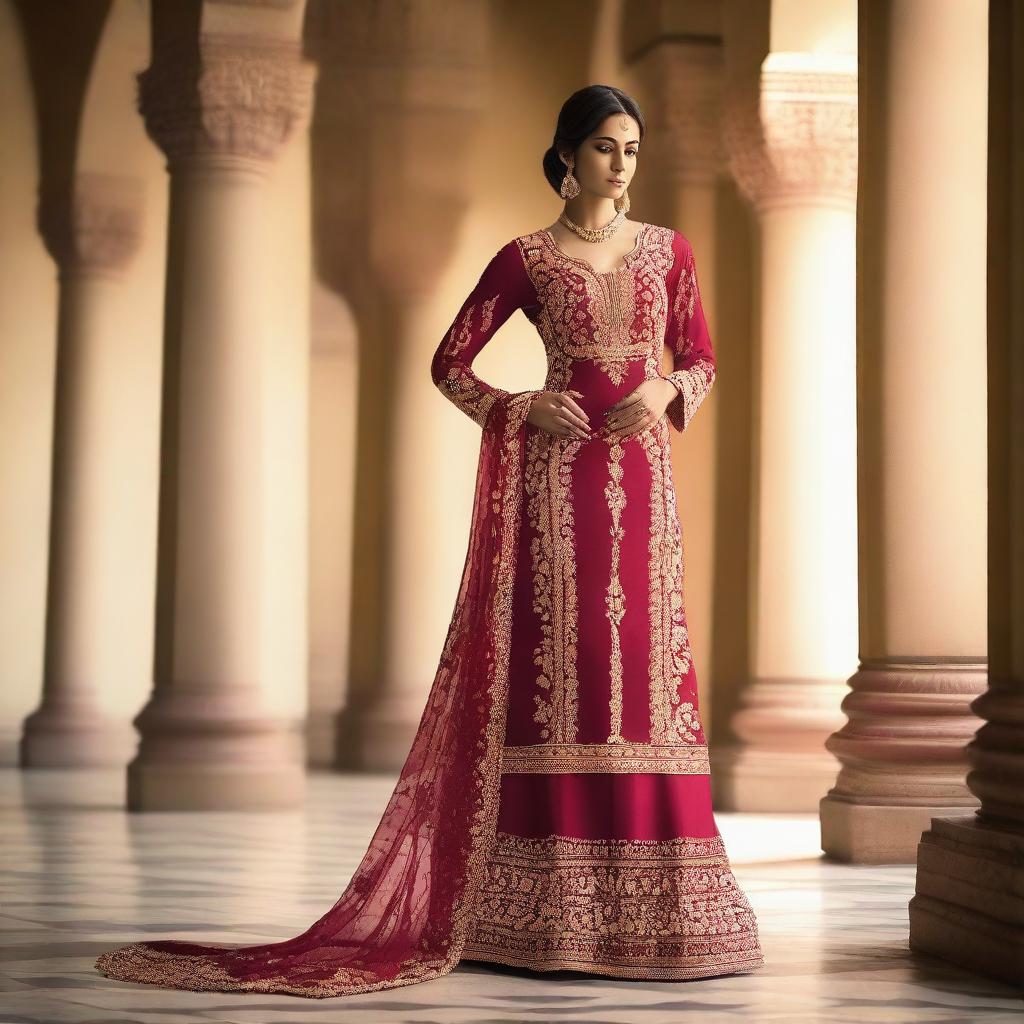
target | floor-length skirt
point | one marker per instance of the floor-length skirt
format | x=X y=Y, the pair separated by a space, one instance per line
x=607 y=856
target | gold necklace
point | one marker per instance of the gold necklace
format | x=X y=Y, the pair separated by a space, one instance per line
x=594 y=234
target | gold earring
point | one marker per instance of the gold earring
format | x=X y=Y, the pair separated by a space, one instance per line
x=570 y=188
x=622 y=203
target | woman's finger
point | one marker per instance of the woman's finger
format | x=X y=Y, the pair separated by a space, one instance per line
x=616 y=412
x=573 y=417
x=628 y=415
x=568 y=402
x=570 y=426
x=634 y=428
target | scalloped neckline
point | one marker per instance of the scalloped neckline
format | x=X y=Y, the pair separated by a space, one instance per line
x=587 y=265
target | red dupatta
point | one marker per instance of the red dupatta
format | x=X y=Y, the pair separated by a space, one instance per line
x=404 y=916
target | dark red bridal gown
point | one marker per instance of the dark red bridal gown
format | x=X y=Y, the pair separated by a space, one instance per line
x=607 y=855
x=554 y=810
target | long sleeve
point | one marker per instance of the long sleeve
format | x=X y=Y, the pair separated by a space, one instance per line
x=693 y=359
x=504 y=287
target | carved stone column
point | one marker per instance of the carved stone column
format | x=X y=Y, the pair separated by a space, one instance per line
x=922 y=456
x=969 y=905
x=684 y=80
x=221 y=107
x=791 y=141
x=352 y=365
x=91 y=228
x=426 y=82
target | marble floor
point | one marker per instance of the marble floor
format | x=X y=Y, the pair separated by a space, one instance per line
x=80 y=876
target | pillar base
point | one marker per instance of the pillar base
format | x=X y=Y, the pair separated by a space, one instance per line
x=876 y=833
x=760 y=780
x=215 y=787
x=204 y=750
x=377 y=738
x=969 y=902
x=321 y=739
x=72 y=738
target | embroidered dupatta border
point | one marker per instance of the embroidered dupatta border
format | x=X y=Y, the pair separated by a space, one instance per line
x=470 y=693
x=504 y=428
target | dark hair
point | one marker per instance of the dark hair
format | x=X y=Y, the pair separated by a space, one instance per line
x=580 y=115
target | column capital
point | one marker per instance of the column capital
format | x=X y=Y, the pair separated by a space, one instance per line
x=92 y=224
x=792 y=136
x=234 y=96
x=688 y=79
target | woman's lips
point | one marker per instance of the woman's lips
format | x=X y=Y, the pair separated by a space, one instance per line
x=616 y=181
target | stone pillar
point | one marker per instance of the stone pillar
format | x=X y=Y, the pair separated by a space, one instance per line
x=351 y=369
x=426 y=81
x=333 y=398
x=221 y=107
x=791 y=140
x=684 y=80
x=969 y=904
x=91 y=228
x=922 y=495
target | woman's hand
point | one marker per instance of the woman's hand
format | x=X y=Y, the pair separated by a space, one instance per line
x=635 y=412
x=557 y=413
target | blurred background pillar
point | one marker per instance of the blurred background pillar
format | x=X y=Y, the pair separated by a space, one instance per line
x=922 y=494
x=680 y=66
x=341 y=314
x=969 y=905
x=91 y=227
x=221 y=106
x=791 y=139
x=422 y=99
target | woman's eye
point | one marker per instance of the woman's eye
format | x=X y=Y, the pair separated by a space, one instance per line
x=608 y=149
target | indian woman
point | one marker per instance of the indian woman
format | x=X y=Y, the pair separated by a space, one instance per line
x=554 y=811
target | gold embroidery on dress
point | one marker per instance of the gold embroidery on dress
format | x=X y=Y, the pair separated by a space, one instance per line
x=610 y=319
x=487 y=314
x=617 y=758
x=671 y=720
x=693 y=386
x=548 y=481
x=460 y=383
x=695 y=382
x=465 y=389
x=613 y=305
x=141 y=964
x=588 y=315
x=615 y=598
x=458 y=341
x=633 y=908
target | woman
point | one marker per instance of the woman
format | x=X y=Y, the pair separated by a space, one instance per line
x=554 y=811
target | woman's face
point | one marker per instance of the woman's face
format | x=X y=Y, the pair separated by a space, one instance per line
x=609 y=153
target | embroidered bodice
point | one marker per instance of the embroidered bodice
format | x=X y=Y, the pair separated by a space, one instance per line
x=601 y=331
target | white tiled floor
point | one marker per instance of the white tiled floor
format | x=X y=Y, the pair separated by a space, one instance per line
x=79 y=876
